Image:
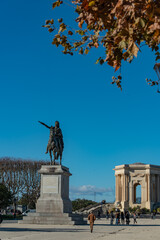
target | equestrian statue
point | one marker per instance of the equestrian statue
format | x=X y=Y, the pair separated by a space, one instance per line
x=55 y=143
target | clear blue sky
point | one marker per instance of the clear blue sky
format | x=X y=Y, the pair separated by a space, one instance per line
x=102 y=126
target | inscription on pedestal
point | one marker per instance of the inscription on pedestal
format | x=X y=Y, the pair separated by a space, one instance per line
x=50 y=184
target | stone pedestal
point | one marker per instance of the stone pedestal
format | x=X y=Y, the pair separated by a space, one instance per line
x=54 y=196
x=54 y=205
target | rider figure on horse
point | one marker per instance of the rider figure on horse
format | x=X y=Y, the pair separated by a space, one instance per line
x=55 y=142
x=55 y=137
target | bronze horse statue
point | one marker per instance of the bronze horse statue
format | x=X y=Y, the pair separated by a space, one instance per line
x=57 y=152
x=55 y=143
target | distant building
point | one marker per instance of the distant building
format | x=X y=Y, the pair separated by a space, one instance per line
x=129 y=176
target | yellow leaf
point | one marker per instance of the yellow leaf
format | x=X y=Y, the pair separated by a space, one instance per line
x=92 y=3
x=135 y=49
x=80 y=24
x=86 y=51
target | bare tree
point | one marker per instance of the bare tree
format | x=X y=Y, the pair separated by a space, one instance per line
x=21 y=177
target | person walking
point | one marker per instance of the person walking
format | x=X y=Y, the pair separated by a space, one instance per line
x=91 y=219
x=107 y=214
x=117 y=216
x=1 y=218
x=154 y=214
x=127 y=218
x=112 y=217
x=98 y=214
x=122 y=218
x=134 y=218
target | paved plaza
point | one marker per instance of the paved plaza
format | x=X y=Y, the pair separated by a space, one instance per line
x=146 y=229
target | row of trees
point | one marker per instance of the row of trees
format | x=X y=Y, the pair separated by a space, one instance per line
x=81 y=203
x=21 y=178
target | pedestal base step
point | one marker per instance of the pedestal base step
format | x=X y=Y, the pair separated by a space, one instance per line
x=53 y=219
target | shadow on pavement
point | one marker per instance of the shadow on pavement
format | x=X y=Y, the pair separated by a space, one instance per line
x=130 y=225
x=15 y=229
x=9 y=229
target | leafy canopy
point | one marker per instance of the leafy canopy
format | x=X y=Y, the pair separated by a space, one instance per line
x=81 y=203
x=122 y=27
x=5 y=196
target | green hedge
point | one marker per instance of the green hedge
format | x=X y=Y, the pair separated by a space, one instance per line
x=138 y=209
x=10 y=217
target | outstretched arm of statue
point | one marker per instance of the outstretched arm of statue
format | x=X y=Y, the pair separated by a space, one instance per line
x=44 y=124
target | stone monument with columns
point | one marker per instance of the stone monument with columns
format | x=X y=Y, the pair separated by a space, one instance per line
x=129 y=176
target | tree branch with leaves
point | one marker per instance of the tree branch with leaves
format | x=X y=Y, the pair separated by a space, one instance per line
x=122 y=27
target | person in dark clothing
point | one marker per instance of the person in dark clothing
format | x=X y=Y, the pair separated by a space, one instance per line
x=98 y=214
x=127 y=218
x=112 y=217
x=1 y=218
x=122 y=218
x=107 y=214
x=117 y=216
x=154 y=215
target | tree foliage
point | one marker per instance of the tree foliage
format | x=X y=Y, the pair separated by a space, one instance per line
x=122 y=27
x=5 y=196
x=81 y=203
x=29 y=200
x=21 y=177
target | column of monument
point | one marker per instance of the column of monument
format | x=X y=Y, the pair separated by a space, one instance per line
x=120 y=188
x=130 y=194
x=153 y=187
x=124 y=187
x=117 y=189
x=145 y=190
x=127 y=188
x=158 y=190
x=149 y=187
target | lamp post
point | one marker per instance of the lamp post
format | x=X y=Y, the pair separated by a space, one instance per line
x=15 y=202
